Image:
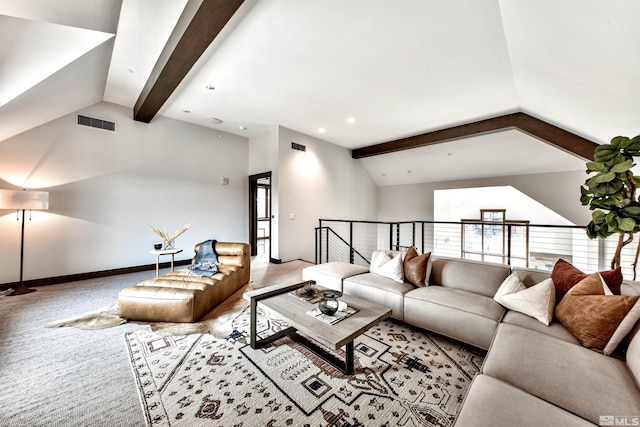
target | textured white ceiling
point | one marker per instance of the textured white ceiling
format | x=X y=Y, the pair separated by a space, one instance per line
x=397 y=68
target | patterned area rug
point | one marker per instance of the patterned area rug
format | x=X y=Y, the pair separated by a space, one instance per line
x=404 y=377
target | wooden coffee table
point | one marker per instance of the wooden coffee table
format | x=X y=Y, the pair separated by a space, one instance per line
x=293 y=310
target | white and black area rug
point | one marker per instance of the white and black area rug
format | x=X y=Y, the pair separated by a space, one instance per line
x=404 y=377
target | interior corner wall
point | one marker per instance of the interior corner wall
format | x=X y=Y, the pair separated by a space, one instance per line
x=106 y=187
x=321 y=182
x=559 y=192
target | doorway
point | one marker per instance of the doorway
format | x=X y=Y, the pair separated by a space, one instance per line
x=260 y=214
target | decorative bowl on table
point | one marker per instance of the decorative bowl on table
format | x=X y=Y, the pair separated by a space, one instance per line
x=157 y=246
x=329 y=302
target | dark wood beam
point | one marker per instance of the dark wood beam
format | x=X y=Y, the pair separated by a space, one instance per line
x=199 y=24
x=542 y=130
x=560 y=138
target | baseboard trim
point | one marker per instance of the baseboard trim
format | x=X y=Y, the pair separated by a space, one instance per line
x=275 y=260
x=92 y=275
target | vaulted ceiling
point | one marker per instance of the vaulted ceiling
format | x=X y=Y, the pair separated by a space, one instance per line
x=351 y=72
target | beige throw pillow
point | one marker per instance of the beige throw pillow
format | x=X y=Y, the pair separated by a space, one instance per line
x=377 y=257
x=388 y=266
x=538 y=301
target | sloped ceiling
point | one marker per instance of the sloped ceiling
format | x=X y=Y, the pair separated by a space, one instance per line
x=396 y=69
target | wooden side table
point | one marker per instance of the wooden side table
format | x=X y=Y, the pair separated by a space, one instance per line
x=171 y=252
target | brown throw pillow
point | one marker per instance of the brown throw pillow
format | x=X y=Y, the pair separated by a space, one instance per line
x=599 y=321
x=565 y=276
x=415 y=267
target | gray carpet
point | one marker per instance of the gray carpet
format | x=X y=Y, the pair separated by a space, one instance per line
x=73 y=377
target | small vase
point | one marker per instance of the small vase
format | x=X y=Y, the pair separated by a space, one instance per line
x=329 y=302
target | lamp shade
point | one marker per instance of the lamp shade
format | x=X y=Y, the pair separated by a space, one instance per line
x=24 y=199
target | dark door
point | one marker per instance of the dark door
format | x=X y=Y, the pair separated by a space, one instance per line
x=260 y=214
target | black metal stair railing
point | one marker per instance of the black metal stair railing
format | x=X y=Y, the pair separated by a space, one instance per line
x=516 y=244
x=326 y=238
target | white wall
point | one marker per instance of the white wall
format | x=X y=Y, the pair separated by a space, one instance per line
x=559 y=192
x=323 y=182
x=466 y=203
x=105 y=187
x=263 y=157
x=263 y=151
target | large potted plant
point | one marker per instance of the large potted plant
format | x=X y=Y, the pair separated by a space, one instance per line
x=611 y=194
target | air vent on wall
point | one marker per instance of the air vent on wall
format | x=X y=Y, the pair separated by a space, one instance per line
x=96 y=123
x=298 y=147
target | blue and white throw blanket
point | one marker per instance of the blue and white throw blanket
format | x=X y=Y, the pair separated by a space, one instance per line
x=206 y=262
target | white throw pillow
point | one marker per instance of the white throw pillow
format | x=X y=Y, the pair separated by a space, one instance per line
x=389 y=267
x=377 y=257
x=538 y=301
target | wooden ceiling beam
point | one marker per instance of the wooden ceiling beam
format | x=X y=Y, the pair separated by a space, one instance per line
x=558 y=137
x=537 y=128
x=199 y=24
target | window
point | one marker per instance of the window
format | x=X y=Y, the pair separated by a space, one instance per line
x=494 y=239
x=263 y=202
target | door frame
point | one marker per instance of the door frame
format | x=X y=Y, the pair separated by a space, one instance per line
x=253 y=209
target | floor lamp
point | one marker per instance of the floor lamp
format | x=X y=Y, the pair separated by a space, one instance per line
x=23 y=200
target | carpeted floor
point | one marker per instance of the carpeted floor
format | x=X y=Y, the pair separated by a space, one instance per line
x=73 y=377
x=403 y=377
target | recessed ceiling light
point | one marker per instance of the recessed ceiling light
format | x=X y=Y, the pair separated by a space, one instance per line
x=351 y=120
x=384 y=174
x=215 y=121
x=242 y=127
x=321 y=130
x=408 y=171
x=449 y=154
x=186 y=111
x=210 y=87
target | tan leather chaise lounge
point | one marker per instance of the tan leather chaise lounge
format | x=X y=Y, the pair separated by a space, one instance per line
x=183 y=297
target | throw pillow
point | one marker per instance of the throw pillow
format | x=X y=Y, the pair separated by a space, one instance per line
x=599 y=321
x=415 y=267
x=565 y=276
x=378 y=257
x=390 y=267
x=538 y=301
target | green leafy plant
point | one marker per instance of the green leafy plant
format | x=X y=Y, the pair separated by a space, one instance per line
x=611 y=194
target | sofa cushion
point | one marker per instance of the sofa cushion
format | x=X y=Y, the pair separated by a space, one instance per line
x=598 y=320
x=633 y=354
x=538 y=301
x=380 y=290
x=162 y=303
x=458 y=314
x=494 y=403
x=330 y=274
x=555 y=328
x=416 y=267
x=569 y=376
x=478 y=277
x=565 y=276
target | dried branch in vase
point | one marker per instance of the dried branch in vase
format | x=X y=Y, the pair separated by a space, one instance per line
x=169 y=239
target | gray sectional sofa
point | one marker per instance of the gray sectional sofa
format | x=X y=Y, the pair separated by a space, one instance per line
x=533 y=374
